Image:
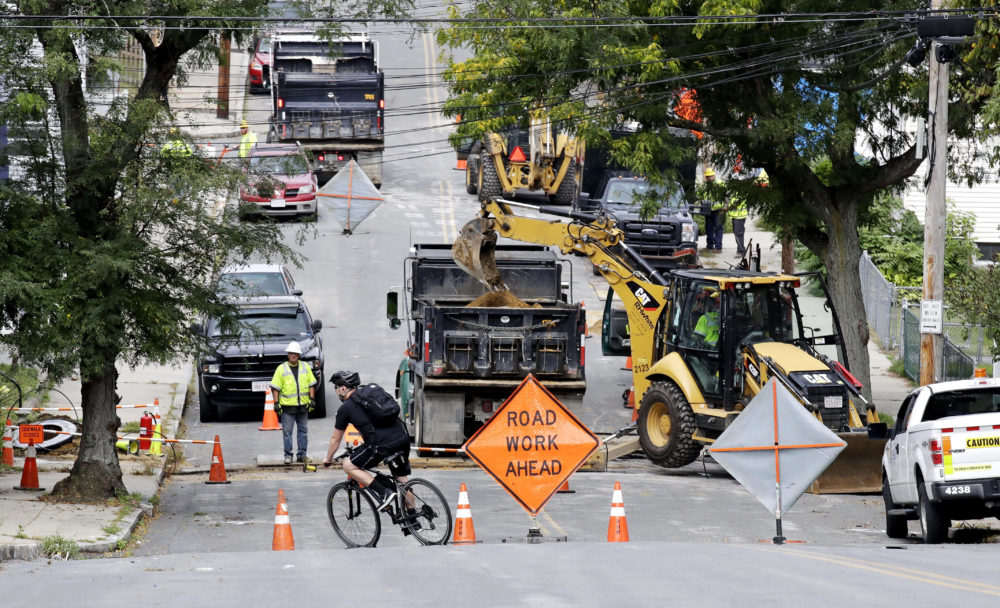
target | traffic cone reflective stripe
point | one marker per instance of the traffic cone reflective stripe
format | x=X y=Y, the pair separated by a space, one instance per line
x=465 y=531
x=628 y=363
x=217 y=474
x=617 y=525
x=29 y=474
x=270 y=422
x=283 y=540
x=8 y=444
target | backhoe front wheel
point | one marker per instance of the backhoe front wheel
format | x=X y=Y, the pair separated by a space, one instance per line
x=666 y=423
x=566 y=193
x=489 y=180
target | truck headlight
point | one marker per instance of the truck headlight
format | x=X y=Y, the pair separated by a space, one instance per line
x=210 y=368
x=688 y=232
x=317 y=364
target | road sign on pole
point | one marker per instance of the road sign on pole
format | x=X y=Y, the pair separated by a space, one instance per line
x=531 y=445
x=776 y=449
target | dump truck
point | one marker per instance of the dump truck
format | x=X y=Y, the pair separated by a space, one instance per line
x=702 y=341
x=470 y=347
x=540 y=158
x=329 y=96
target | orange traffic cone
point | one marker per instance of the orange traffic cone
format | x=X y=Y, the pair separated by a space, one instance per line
x=283 y=540
x=465 y=531
x=8 y=445
x=617 y=525
x=217 y=474
x=270 y=422
x=631 y=404
x=628 y=363
x=564 y=489
x=29 y=474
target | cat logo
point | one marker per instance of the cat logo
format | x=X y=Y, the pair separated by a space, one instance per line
x=817 y=378
x=647 y=301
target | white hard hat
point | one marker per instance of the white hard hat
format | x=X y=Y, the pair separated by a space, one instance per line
x=293 y=347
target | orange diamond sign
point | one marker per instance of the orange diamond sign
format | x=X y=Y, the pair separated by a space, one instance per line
x=531 y=445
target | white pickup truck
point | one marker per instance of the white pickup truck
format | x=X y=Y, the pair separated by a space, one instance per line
x=942 y=460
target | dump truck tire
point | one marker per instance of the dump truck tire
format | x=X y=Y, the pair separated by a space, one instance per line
x=666 y=423
x=895 y=525
x=566 y=193
x=933 y=524
x=489 y=180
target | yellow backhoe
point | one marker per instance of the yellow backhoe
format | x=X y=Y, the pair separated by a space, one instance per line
x=702 y=341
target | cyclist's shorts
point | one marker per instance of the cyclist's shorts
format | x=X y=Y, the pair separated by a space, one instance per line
x=368 y=456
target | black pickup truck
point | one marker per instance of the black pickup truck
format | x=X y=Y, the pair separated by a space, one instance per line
x=464 y=361
x=667 y=239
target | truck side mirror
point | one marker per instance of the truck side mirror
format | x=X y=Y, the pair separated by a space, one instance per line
x=878 y=430
x=392 y=309
x=317 y=325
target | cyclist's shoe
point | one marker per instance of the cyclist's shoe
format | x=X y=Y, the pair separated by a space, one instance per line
x=412 y=518
x=383 y=497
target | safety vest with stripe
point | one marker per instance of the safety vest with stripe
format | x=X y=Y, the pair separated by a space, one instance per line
x=738 y=209
x=247 y=143
x=293 y=390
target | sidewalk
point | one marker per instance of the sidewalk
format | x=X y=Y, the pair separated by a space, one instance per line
x=888 y=389
x=26 y=520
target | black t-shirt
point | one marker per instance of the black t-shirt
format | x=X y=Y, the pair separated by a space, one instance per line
x=351 y=412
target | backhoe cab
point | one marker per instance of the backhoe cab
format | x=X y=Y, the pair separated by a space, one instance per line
x=703 y=342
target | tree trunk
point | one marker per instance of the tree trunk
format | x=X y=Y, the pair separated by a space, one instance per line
x=96 y=475
x=787 y=254
x=843 y=252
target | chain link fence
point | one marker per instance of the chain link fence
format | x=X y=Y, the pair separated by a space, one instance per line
x=893 y=315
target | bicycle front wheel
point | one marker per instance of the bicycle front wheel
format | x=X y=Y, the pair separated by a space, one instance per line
x=430 y=521
x=353 y=515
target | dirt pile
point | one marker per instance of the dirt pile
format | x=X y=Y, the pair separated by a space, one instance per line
x=498 y=299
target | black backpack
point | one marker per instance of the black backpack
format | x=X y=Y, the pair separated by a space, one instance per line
x=381 y=408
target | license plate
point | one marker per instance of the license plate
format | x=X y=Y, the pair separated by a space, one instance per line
x=261 y=387
x=277 y=203
x=833 y=402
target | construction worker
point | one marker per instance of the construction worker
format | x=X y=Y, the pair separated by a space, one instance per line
x=707 y=327
x=248 y=139
x=716 y=218
x=176 y=147
x=738 y=213
x=294 y=389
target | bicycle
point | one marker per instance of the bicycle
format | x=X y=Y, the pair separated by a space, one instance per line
x=419 y=508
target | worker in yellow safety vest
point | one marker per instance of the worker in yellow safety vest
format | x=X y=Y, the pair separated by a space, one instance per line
x=738 y=215
x=248 y=139
x=176 y=147
x=294 y=389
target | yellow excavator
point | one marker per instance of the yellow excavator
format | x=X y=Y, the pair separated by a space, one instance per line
x=703 y=342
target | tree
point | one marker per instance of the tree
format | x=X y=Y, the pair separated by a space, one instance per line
x=111 y=245
x=776 y=92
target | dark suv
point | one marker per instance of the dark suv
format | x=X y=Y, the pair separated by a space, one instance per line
x=239 y=364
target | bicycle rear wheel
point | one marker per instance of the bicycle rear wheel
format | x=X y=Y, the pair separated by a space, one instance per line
x=353 y=515
x=431 y=523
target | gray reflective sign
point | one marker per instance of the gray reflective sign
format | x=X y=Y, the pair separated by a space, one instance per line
x=760 y=456
x=351 y=196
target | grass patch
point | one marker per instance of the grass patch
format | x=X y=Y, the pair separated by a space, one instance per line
x=56 y=547
x=20 y=532
x=112 y=528
x=887 y=419
x=130 y=427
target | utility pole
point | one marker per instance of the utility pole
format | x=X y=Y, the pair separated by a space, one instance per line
x=931 y=306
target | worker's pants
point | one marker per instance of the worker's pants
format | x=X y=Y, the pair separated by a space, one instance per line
x=301 y=419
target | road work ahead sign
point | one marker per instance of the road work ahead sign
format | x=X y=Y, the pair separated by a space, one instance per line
x=531 y=445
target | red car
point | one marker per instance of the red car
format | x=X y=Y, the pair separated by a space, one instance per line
x=259 y=71
x=280 y=182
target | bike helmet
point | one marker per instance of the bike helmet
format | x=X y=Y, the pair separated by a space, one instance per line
x=345 y=378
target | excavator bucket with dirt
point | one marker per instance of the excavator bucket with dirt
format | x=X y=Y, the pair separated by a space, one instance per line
x=856 y=470
x=475 y=251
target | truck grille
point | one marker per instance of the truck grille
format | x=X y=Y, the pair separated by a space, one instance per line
x=652 y=238
x=252 y=367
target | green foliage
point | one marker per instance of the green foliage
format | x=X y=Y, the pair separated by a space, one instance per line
x=57 y=547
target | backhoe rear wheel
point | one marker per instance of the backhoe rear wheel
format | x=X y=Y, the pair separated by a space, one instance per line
x=666 y=423
x=472 y=171
x=489 y=181
x=566 y=193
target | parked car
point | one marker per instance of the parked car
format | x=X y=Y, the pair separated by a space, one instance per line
x=259 y=69
x=257 y=280
x=241 y=358
x=280 y=182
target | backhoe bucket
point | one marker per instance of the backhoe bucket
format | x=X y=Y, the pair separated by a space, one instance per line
x=856 y=470
x=474 y=250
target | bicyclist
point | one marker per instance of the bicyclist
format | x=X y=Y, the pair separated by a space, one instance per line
x=380 y=441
